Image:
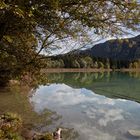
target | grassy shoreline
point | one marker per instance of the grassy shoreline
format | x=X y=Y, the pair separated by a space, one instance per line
x=61 y=70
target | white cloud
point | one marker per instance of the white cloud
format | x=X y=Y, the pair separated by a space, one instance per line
x=104 y=116
x=85 y=111
x=106 y=101
x=88 y=132
x=110 y=116
x=63 y=95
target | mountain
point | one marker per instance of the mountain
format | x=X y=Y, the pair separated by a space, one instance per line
x=117 y=49
x=114 y=54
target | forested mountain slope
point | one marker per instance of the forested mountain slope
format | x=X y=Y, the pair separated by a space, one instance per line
x=119 y=49
x=115 y=54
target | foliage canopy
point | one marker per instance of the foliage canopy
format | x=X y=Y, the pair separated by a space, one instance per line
x=29 y=26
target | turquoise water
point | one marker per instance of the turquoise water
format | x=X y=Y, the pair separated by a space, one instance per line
x=98 y=106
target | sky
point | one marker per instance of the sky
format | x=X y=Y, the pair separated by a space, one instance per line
x=71 y=45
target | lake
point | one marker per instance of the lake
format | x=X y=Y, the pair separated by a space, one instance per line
x=93 y=106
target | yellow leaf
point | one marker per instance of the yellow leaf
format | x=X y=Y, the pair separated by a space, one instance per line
x=8 y=38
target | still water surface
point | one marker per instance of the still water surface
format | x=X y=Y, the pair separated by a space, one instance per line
x=98 y=106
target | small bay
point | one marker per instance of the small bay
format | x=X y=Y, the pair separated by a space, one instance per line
x=96 y=106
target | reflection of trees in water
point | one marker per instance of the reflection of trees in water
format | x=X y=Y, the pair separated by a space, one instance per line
x=84 y=78
x=134 y=74
x=77 y=77
x=111 y=84
x=53 y=77
x=80 y=77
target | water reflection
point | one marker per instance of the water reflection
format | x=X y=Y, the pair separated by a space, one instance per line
x=93 y=116
x=15 y=99
x=113 y=85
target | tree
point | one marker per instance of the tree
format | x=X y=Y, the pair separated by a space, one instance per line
x=83 y=63
x=75 y=64
x=89 y=61
x=107 y=63
x=100 y=65
x=95 y=65
x=49 y=23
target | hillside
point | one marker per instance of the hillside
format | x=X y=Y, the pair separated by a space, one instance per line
x=115 y=54
x=118 y=49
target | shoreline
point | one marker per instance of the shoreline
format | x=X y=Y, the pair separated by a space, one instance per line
x=61 y=70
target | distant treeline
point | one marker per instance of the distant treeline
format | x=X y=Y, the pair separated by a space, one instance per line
x=112 y=54
x=81 y=61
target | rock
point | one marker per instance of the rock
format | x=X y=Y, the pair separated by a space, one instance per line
x=135 y=133
x=57 y=134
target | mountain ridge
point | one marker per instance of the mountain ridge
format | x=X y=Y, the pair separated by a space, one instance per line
x=114 y=54
x=118 y=49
